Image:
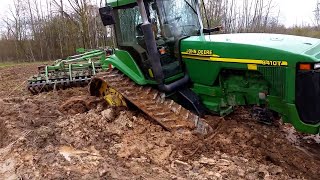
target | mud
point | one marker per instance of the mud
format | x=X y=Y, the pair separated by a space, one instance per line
x=3 y=133
x=239 y=135
x=80 y=104
x=69 y=135
x=13 y=79
x=3 y=129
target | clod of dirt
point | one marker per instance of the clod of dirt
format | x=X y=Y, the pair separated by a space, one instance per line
x=180 y=165
x=208 y=161
x=81 y=104
x=160 y=155
x=275 y=170
x=123 y=120
x=108 y=114
x=7 y=169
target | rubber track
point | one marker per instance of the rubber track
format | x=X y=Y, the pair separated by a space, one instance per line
x=166 y=112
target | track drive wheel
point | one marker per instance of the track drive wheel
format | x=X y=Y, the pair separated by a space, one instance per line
x=99 y=88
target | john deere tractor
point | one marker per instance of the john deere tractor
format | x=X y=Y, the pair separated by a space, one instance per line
x=168 y=65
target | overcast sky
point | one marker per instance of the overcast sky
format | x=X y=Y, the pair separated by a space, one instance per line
x=296 y=11
x=292 y=12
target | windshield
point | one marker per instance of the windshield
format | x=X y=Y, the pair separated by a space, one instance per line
x=179 y=17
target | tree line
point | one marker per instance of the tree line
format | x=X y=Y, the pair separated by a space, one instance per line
x=45 y=30
x=36 y=30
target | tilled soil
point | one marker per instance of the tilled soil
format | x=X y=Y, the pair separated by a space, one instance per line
x=69 y=135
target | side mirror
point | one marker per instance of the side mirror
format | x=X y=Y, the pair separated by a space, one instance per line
x=106 y=15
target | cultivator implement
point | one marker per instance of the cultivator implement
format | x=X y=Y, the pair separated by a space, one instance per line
x=74 y=71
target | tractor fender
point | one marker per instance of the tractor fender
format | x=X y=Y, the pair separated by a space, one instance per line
x=123 y=61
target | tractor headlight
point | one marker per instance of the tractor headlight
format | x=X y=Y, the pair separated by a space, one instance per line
x=316 y=66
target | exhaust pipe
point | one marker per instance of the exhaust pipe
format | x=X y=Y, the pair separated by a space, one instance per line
x=154 y=54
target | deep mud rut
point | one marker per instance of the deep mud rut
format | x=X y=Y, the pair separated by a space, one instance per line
x=69 y=135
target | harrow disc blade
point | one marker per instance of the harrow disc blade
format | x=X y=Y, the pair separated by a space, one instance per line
x=39 y=86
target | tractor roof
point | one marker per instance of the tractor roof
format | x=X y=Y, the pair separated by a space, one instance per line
x=117 y=3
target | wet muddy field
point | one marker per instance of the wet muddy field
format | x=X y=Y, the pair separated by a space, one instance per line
x=69 y=135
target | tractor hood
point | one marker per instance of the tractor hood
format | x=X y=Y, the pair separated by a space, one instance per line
x=260 y=46
x=294 y=44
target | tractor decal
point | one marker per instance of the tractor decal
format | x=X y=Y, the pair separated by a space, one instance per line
x=200 y=52
x=214 y=57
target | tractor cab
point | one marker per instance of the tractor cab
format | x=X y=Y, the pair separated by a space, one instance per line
x=158 y=23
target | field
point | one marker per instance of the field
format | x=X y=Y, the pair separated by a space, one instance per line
x=69 y=135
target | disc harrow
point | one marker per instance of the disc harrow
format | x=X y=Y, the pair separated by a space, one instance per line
x=36 y=87
x=74 y=71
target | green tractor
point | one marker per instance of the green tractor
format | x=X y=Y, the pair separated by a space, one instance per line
x=168 y=64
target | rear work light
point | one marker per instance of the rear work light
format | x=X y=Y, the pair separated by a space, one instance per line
x=305 y=66
x=309 y=66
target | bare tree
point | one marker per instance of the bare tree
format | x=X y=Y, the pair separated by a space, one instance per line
x=317 y=14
